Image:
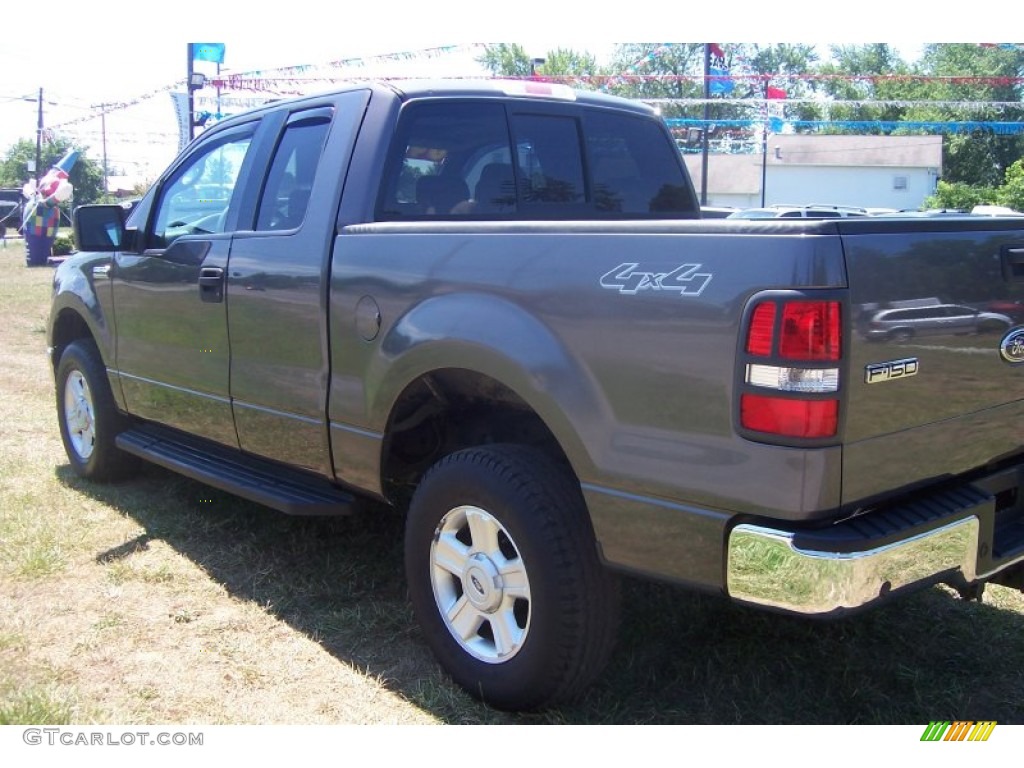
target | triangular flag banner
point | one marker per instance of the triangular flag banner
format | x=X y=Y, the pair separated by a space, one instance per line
x=719 y=81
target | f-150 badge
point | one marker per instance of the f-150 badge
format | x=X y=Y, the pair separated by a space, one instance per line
x=686 y=280
x=875 y=373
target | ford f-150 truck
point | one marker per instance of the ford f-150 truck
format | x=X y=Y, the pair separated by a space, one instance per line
x=494 y=307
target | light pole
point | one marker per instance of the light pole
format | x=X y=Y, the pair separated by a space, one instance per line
x=195 y=81
x=704 y=132
x=39 y=136
x=764 y=158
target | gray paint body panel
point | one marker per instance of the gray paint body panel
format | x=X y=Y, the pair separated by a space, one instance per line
x=962 y=408
x=636 y=381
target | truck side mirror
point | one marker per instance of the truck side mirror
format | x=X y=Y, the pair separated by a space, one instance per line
x=99 y=228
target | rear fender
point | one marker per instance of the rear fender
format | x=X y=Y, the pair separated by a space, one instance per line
x=495 y=338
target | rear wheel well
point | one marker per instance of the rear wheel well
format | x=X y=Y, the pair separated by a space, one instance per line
x=449 y=410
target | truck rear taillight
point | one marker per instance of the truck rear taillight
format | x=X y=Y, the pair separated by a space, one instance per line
x=789 y=417
x=761 y=334
x=810 y=330
x=787 y=379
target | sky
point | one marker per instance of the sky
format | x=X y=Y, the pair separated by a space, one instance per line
x=94 y=52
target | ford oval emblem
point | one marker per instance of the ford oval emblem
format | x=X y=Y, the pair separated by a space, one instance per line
x=1012 y=346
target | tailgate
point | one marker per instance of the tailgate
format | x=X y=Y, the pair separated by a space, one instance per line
x=930 y=393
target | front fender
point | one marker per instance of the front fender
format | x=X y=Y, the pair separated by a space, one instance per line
x=498 y=339
x=81 y=304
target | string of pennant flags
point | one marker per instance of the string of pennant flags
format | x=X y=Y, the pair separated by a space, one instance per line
x=779 y=125
x=295 y=80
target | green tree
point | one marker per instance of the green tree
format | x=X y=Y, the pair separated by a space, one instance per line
x=562 y=64
x=776 y=65
x=863 y=73
x=86 y=176
x=571 y=67
x=505 y=60
x=1011 y=194
x=972 y=75
x=959 y=196
x=950 y=83
x=660 y=71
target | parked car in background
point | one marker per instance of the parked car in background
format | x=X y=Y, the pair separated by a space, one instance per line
x=994 y=210
x=939 y=319
x=799 y=212
x=10 y=210
x=925 y=214
x=716 y=212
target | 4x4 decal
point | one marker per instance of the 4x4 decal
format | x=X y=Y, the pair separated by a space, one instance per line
x=686 y=280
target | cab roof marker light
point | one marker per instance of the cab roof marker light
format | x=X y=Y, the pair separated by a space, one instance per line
x=536 y=88
x=808 y=380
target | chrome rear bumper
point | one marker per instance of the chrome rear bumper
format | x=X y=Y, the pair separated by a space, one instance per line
x=767 y=567
x=961 y=533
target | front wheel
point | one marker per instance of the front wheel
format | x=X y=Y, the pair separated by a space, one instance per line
x=505 y=580
x=89 y=419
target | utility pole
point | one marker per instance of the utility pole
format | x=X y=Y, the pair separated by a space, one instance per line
x=39 y=138
x=103 y=134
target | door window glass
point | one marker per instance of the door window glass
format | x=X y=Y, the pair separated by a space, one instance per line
x=195 y=201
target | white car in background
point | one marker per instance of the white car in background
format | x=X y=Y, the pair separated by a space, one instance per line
x=800 y=212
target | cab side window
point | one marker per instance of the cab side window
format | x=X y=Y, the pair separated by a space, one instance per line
x=436 y=147
x=483 y=160
x=549 y=154
x=196 y=198
x=289 y=184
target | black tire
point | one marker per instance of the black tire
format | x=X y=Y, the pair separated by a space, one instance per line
x=515 y=527
x=89 y=420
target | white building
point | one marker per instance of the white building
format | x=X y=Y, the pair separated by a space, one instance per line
x=867 y=171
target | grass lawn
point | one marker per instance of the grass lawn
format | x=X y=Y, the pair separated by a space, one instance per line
x=162 y=601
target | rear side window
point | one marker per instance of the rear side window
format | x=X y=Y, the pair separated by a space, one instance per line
x=473 y=160
x=636 y=169
x=436 y=146
x=550 y=163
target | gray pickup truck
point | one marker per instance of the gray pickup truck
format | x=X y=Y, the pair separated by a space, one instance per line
x=494 y=307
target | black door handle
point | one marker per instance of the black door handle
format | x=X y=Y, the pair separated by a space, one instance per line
x=211 y=284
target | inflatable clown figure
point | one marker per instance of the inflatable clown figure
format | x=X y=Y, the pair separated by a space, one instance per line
x=41 y=216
